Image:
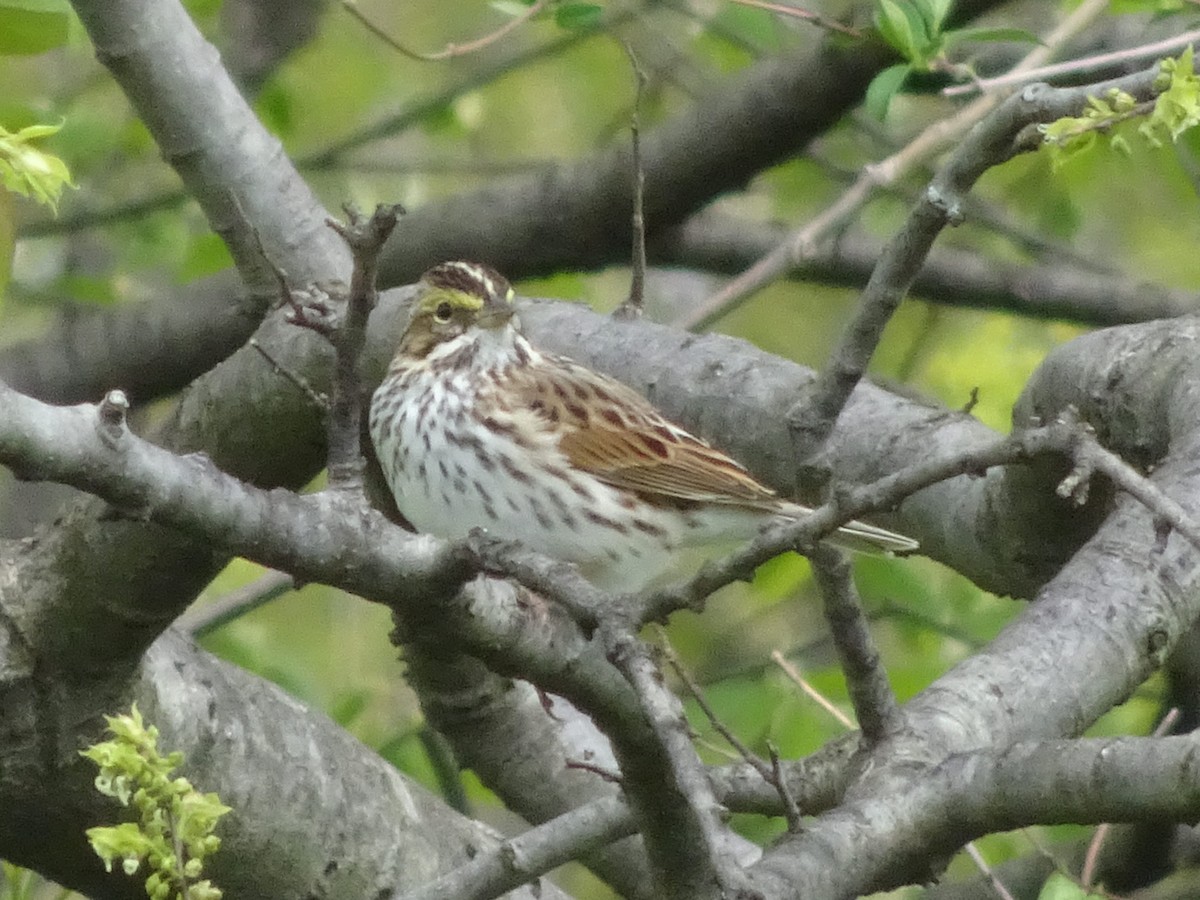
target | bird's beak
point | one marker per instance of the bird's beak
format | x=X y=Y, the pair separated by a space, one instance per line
x=495 y=315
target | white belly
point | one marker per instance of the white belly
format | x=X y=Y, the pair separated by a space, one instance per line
x=448 y=479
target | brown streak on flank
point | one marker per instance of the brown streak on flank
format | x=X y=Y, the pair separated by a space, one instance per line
x=669 y=436
x=560 y=504
x=649 y=528
x=605 y=522
x=578 y=411
x=559 y=391
x=484 y=494
x=490 y=512
x=581 y=392
x=579 y=489
x=655 y=446
x=539 y=513
x=627 y=501
x=556 y=472
x=612 y=417
x=494 y=425
x=514 y=471
x=488 y=464
x=465 y=440
x=423 y=408
x=552 y=414
x=601 y=394
x=521 y=353
x=442 y=468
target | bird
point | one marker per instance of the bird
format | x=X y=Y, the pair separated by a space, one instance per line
x=475 y=427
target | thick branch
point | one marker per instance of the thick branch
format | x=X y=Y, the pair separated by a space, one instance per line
x=1099 y=627
x=231 y=165
x=316 y=812
x=1058 y=289
x=991 y=142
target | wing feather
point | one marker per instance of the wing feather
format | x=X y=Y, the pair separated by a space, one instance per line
x=613 y=433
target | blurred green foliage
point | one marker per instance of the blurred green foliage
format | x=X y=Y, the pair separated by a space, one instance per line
x=128 y=233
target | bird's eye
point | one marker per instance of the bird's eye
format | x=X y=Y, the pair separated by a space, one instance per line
x=443 y=312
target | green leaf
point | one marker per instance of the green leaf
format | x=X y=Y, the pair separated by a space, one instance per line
x=30 y=172
x=578 y=16
x=512 y=8
x=883 y=87
x=924 y=35
x=125 y=842
x=961 y=35
x=1060 y=887
x=1177 y=108
x=8 y=239
x=33 y=26
x=896 y=28
x=935 y=12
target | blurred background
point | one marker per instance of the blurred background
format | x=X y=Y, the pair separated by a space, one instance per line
x=367 y=124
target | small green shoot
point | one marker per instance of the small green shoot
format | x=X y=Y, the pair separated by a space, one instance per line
x=1175 y=110
x=30 y=172
x=174 y=831
x=916 y=30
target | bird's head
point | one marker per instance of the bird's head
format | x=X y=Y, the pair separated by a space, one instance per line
x=456 y=299
x=456 y=296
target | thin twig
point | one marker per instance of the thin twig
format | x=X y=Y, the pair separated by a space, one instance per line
x=811 y=692
x=770 y=772
x=602 y=772
x=484 y=73
x=1089 y=452
x=1065 y=436
x=235 y=604
x=874 y=702
x=1091 y=859
x=319 y=400
x=1085 y=65
x=931 y=141
x=446 y=771
x=365 y=236
x=797 y=13
x=632 y=306
x=451 y=50
x=524 y=858
x=982 y=865
x=813 y=415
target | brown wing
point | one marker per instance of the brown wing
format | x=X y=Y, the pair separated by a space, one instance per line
x=613 y=433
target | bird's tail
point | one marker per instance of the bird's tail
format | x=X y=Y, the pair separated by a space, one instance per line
x=859 y=536
x=862 y=536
